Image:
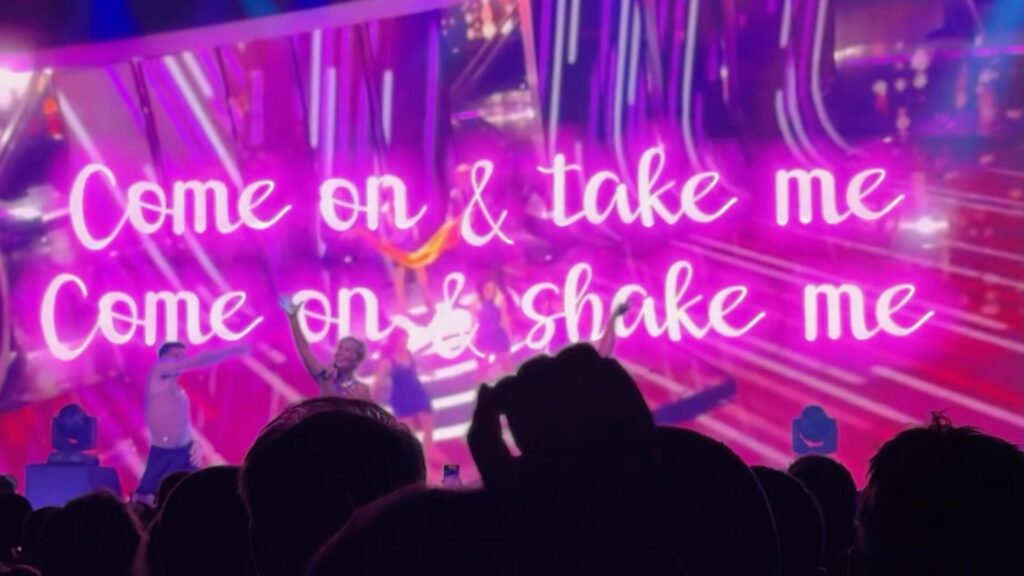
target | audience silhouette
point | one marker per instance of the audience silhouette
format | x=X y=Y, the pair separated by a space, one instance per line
x=94 y=534
x=203 y=519
x=833 y=487
x=311 y=467
x=167 y=485
x=420 y=531
x=581 y=482
x=32 y=536
x=580 y=498
x=14 y=509
x=798 y=522
x=713 y=503
x=942 y=500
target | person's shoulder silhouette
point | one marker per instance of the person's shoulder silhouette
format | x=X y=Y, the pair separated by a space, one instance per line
x=945 y=501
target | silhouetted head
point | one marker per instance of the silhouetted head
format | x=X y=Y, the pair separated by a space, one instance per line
x=833 y=487
x=32 y=536
x=204 y=527
x=349 y=354
x=798 y=522
x=312 y=466
x=168 y=484
x=14 y=509
x=94 y=534
x=944 y=501
x=419 y=531
x=719 y=518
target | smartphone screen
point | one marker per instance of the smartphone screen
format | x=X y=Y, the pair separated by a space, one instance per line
x=450 y=476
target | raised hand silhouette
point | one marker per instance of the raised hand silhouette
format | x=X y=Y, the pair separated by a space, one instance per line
x=579 y=495
x=561 y=411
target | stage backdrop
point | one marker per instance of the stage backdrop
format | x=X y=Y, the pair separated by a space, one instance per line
x=814 y=225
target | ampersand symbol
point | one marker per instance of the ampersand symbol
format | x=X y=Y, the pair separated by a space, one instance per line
x=480 y=175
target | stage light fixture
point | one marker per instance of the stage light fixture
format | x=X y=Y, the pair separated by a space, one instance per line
x=74 y=433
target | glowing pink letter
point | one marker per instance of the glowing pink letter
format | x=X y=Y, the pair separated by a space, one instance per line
x=805 y=195
x=724 y=302
x=252 y=197
x=885 y=308
x=76 y=201
x=480 y=175
x=862 y=185
x=198 y=191
x=48 y=318
x=558 y=172
x=224 y=307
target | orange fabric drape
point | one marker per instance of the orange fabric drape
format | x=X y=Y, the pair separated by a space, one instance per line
x=445 y=238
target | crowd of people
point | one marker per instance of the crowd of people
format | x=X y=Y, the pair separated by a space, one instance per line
x=337 y=486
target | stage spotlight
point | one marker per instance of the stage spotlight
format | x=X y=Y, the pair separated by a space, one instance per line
x=74 y=433
x=69 y=472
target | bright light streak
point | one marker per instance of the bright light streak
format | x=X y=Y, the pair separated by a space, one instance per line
x=556 y=80
x=622 y=43
x=634 y=55
x=386 y=104
x=574 y=31
x=204 y=121
x=332 y=111
x=693 y=13
x=198 y=75
x=315 y=59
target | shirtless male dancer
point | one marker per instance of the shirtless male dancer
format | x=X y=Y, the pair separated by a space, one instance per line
x=168 y=413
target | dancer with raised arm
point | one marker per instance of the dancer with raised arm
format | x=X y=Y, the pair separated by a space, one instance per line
x=409 y=400
x=339 y=378
x=168 y=414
